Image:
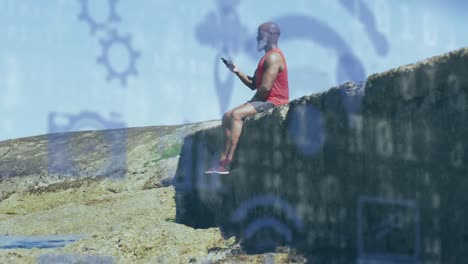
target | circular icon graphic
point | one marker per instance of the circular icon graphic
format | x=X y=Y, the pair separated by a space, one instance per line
x=94 y=25
x=267 y=231
x=306 y=129
x=112 y=73
x=69 y=154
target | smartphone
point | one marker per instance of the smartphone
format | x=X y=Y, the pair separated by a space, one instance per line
x=224 y=60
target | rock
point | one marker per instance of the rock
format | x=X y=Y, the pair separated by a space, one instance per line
x=4 y=151
x=335 y=166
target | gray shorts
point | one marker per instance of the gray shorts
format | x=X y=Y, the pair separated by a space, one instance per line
x=261 y=106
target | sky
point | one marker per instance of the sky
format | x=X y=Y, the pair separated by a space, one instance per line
x=69 y=65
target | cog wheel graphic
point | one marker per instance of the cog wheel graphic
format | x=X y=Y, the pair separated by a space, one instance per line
x=93 y=24
x=104 y=58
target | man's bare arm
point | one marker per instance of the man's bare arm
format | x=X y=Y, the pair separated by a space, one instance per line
x=271 y=68
x=247 y=80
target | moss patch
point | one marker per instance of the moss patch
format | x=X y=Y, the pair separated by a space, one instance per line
x=169 y=152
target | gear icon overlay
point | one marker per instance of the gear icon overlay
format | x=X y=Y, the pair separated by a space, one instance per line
x=64 y=157
x=93 y=24
x=104 y=58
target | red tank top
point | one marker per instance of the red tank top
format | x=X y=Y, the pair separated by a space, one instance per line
x=279 y=93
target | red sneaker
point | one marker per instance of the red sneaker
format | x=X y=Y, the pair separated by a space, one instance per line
x=213 y=169
x=210 y=170
x=223 y=168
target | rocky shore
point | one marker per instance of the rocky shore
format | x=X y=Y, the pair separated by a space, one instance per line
x=130 y=219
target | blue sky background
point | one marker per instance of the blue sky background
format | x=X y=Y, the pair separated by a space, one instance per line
x=50 y=80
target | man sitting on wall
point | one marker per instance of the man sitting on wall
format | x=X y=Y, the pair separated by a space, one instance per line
x=271 y=82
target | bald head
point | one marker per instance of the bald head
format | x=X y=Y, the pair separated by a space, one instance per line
x=270 y=27
x=268 y=34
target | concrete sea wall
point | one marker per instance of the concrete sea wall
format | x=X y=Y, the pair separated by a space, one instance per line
x=371 y=171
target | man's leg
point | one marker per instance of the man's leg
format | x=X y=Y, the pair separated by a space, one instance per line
x=226 y=125
x=232 y=126
x=237 y=119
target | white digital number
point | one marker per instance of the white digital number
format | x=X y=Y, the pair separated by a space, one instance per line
x=384 y=138
x=356 y=124
x=430 y=72
x=408 y=153
x=429 y=29
x=456 y=156
x=382 y=13
x=407 y=85
x=407 y=34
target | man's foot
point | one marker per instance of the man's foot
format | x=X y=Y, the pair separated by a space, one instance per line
x=213 y=169
x=210 y=170
x=223 y=168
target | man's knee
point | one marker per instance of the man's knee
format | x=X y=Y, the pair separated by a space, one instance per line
x=238 y=115
x=227 y=117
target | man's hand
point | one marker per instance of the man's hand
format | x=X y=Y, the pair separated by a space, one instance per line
x=247 y=80
x=231 y=66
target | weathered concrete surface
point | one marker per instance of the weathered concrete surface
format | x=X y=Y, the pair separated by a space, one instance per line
x=358 y=173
